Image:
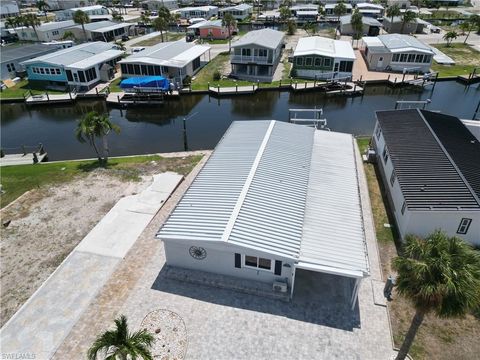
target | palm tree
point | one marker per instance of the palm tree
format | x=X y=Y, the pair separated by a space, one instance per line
x=357 y=25
x=121 y=344
x=439 y=274
x=11 y=22
x=470 y=24
x=160 y=24
x=449 y=36
x=229 y=22
x=94 y=125
x=33 y=21
x=284 y=13
x=116 y=16
x=393 y=11
x=408 y=17
x=339 y=10
x=82 y=18
x=42 y=6
x=136 y=3
x=68 y=35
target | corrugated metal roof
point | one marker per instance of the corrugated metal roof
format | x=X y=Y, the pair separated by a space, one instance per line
x=347 y=19
x=427 y=176
x=265 y=37
x=317 y=45
x=401 y=42
x=333 y=234
x=16 y=52
x=259 y=182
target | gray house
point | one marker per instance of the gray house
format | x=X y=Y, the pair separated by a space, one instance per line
x=433 y=179
x=272 y=199
x=371 y=26
x=257 y=54
x=395 y=26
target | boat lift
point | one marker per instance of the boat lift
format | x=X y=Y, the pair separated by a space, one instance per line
x=315 y=121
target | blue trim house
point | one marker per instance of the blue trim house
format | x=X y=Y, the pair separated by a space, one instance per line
x=81 y=67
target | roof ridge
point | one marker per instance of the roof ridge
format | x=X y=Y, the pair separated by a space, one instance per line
x=243 y=194
x=459 y=172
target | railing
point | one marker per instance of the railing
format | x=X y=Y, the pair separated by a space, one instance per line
x=251 y=59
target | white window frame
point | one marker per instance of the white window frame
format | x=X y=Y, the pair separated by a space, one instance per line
x=464 y=226
x=272 y=263
x=393 y=177
x=404 y=206
x=385 y=155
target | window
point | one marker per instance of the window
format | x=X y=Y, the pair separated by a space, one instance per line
x=55 y=32
x=262 y=52
x=404 y=206
x=327 y=62
x=69 y=75
x=396 y=57
x=136 y=69
x=379 y=131
x=308 y=61
x=246 y=52
x=419 y=58
x=256 y=262
x=411 y=58
x=426 y=58
x=403 y=57
x=123 y=68
x=318 y=62
x=300 y=61
x=385 y=155
x=42 y=71
x=81 y=76
x=57 y=71
x=392 y=178
x=464 y=225
x=9 y=68
x=346 y=66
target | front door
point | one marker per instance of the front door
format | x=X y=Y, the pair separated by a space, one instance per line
x=380 y=62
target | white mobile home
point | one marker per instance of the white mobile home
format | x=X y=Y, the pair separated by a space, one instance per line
x=203 y=12
x=273 y=198
x=89 y=10
x=9 y=9
x=397 y=52
x=102 y=31
x=46 y=32
x=429 y=164
x=239 y=12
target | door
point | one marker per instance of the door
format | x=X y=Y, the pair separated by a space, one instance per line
x=380 y=63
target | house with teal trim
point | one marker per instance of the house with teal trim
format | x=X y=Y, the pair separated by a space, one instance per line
x=80 y=67
x=316 y=57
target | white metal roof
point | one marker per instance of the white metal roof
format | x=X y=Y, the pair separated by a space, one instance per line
x=284 y=189
x=367 y=5
x=333 y=236
x=239 y=7
x=174 y=54
x=403 y=43
x=97 y=59
x=317 y=45
x=206 y=24
x=265 y=37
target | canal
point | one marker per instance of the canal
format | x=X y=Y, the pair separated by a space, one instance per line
x=160 y=129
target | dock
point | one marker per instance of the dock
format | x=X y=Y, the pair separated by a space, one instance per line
x=50 y=99
x=26 y=157
x=125 y=98
x=233 y=90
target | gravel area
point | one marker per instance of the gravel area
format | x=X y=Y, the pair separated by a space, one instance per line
x=170 y=334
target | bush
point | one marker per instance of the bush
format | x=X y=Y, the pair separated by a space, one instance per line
x=291 y=27
x=187 y=80
x=293 y=73
x=216 y=75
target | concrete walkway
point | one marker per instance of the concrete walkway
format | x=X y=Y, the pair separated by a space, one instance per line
x=43 y=322
x=441 y=58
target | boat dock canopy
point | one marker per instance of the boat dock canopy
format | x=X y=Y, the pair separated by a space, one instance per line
x=284 y=189
x=157 y=82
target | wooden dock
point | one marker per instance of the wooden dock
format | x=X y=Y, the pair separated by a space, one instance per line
x=50 y=99
x=233 y=90
x=22 y=159
x=124 y=99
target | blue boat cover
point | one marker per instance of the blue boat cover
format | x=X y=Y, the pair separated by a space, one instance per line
x=157 y=82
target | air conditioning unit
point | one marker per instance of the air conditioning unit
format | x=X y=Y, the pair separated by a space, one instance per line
x=279 y=286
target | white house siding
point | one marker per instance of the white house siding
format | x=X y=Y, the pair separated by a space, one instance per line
x=221 y=260
x=312 y=74
x=422 y=222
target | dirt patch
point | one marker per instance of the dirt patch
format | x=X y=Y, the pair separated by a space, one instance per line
x=48 y=222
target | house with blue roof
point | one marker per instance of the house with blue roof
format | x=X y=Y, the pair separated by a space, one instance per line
x=80 y=67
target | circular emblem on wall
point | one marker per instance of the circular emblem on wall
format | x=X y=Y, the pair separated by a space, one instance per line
x=198 y=253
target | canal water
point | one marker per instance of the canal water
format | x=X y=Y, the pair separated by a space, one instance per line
x=160 y=129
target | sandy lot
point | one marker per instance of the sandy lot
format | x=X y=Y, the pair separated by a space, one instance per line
x=47 y=223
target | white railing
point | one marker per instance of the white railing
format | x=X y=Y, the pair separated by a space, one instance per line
x=251 y=59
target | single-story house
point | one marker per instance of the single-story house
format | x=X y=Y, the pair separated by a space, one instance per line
x=395 y=27
x=14 y=55
x=255 y=55
x=211 y=29
x=305 y=13
x=370 y=9
x=204 y=12
x=8 y=9
x=402 y=4
x=329 y=9
x=273 y=198
x=156 y=4
x=76 y=67
x=316 y=57
x=46 y=32
x=239 y=12
x=433 y=179
x=371 y=26
x=89 y=10
x=397 y=52
x=102 y=30
x=66 y=4
x=174 y=60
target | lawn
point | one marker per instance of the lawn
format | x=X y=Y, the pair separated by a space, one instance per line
x=22 y=88
x=466 y=58
x=437 y=338
x=170 y=36
x=115 y=85
x=18 y=179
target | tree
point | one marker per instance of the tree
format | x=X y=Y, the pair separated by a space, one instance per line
x=121 y=344
x=81 y=18
x=94 y=125
x=310 y=28
x=475 y=20
x=357 y=25
x=393 y=11
x=136 y=3
x=145 y=18
x=229 y=22
x=116 y=16
x=284 y=13
x=339 y=10
x=161 y=22
x=11 y=22
x=472 y=22
x=449 y=36
x=439 y=274
x=408 y=17
x=68 y=35
x=33 y=21
x=42 y=6
x=291 y=27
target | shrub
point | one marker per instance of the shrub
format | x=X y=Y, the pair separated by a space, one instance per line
x=187 y=80
x=216 y=75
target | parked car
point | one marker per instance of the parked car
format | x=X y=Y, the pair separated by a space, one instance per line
x=435 y=29
x=125 y=38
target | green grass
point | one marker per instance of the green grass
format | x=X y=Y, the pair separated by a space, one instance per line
x=172 y=36
x=115 y=85
x=22 y=88
x=466 y=58
x=18 y=179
